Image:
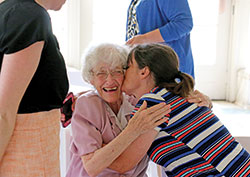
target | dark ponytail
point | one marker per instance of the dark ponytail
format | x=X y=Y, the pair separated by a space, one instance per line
x=163 y=63
x=182 y=85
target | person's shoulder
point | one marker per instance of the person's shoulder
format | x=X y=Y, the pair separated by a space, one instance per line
x=23 y=24
x=26 y=15
x=89 y=103
x=90 y=107
x=35 y=12
x=156 y=94
x=89 y=98
x=90 y=95
x=27 y=10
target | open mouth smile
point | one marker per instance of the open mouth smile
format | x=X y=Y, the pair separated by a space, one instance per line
x=110 y=89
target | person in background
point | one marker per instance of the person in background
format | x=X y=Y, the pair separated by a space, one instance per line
x=33 y=85
x=193 y=142
x=162 y=21
x=100 y=128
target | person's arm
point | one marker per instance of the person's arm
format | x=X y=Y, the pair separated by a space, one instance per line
x=179 y=24
x=16 y=73
x=143 y=121
x=150 y=37
x=180 y=20
x=138 y=149
x=134 y=152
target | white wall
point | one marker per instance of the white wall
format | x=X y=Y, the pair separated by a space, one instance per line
x=239 y=56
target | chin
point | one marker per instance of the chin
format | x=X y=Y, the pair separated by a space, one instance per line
x=57 y=8
x=111 y=99
x=126 y=91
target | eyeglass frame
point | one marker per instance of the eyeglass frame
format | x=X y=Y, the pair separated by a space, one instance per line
x=114 y=73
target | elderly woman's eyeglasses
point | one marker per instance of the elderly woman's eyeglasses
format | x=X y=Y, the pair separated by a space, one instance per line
x=104 y=74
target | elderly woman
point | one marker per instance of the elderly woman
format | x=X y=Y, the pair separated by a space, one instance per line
x=100 y=128
x=193 y=142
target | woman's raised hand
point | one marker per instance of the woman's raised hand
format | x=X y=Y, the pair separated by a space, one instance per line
x=146 y=119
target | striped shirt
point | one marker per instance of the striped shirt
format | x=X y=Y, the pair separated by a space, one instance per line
x=193 y=142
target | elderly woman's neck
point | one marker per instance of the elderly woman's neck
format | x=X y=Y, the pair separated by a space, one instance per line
x=116 y=106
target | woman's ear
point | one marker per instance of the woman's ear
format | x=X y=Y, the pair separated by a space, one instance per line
x=145 y=72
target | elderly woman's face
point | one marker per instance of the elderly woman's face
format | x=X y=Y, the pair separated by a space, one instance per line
x=108 y=81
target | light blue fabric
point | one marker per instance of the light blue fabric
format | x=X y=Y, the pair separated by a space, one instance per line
x=174 y=20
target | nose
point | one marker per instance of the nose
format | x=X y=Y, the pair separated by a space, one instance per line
x=109 y=76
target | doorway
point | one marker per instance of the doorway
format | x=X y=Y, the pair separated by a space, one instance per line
x=210 y=40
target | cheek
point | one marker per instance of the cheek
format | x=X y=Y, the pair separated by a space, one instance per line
x=120 y=81
x=128 y=76
x=125 y=82
x=96 y=83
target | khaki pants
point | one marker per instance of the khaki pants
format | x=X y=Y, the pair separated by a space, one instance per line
x=33 y=150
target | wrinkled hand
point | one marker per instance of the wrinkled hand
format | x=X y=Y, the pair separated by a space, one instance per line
x=146 y=119
x=138 y=39
x=200 y=99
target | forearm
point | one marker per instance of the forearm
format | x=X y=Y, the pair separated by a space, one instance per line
x=150 y=37
x=7 y=124
x=103 y=157
x=134 y=153
x=16 y=73
x=153 y=36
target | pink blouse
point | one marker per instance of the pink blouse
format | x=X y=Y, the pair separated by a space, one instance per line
x=93 y=124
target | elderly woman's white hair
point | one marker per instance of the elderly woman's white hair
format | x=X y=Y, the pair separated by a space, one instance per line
x=112 y=54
